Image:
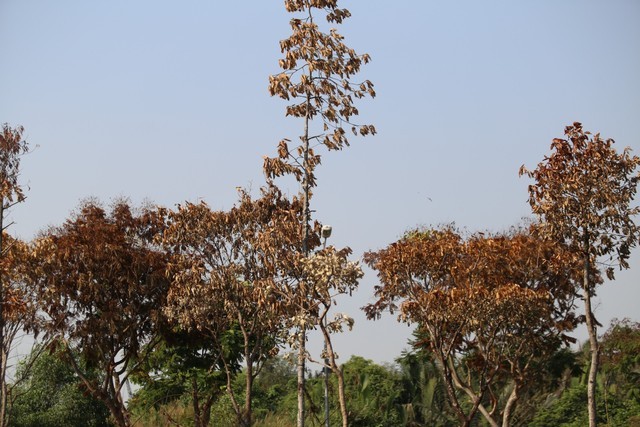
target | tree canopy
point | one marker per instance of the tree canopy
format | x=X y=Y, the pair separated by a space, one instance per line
x=488 y=306
x=100 y=281
x=583 y=194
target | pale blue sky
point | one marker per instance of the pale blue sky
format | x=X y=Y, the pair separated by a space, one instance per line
x=168 y=101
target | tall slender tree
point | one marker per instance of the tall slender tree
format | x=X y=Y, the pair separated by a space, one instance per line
x=583 y=193
x=12 y=147
x=317 y=74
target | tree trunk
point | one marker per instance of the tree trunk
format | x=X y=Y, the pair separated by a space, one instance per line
x=248 y=392
x=306 y=193
x=119 y=410
x=447 y=379
x=340 y=375
x=508 y=407
x=4 y=352
x=108 y=393
x=486 y=414
x=593 y=343
x=342 y=397
x=119 y=417
x=330 y=360
x=4 y=420
x=325 y=371
x=232 y=396
x=206 y=411
x=197 y=421
x=476 y=398
x=301 y=360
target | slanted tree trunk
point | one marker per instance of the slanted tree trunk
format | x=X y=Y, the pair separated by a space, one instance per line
x=331 y=356
x=108 y=393
x=121 y=414
x=113 y=403
x=510 y=405
x=476 y=398
x=206 y=411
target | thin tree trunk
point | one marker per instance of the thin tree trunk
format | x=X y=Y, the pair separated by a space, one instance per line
x=447 y=378
x=206 y=411
x=510 y=405
x=593 y=339
x=302 y=339
x=487 y=415
x=232 y=396
x=476 y=398
x=248 y=391
x=3 y=351
x=306 y=190
x=342 y=397
x=196 y=403
x=4 y=421
x=301 y=360
x=335 y=368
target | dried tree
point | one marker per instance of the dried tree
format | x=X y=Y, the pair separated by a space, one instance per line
x=226 y=271
x=329 y=273
x=12 y=147
x=488 y=307
x=318 y=70
x=100 y=281
x=583 y=193
x=19 y=309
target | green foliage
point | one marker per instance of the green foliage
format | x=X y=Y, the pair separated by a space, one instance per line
x=169 y=398
x=620 y=355
x=51 y=396
x=373 y=392
x=409 y=395
x=276 y=378
x=183 y=367
x=412 y=392
x=618 y=384
x=424 y=400
x=570 y=410
x=552 y=376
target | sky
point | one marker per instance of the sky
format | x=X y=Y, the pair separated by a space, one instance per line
x=167 y=101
